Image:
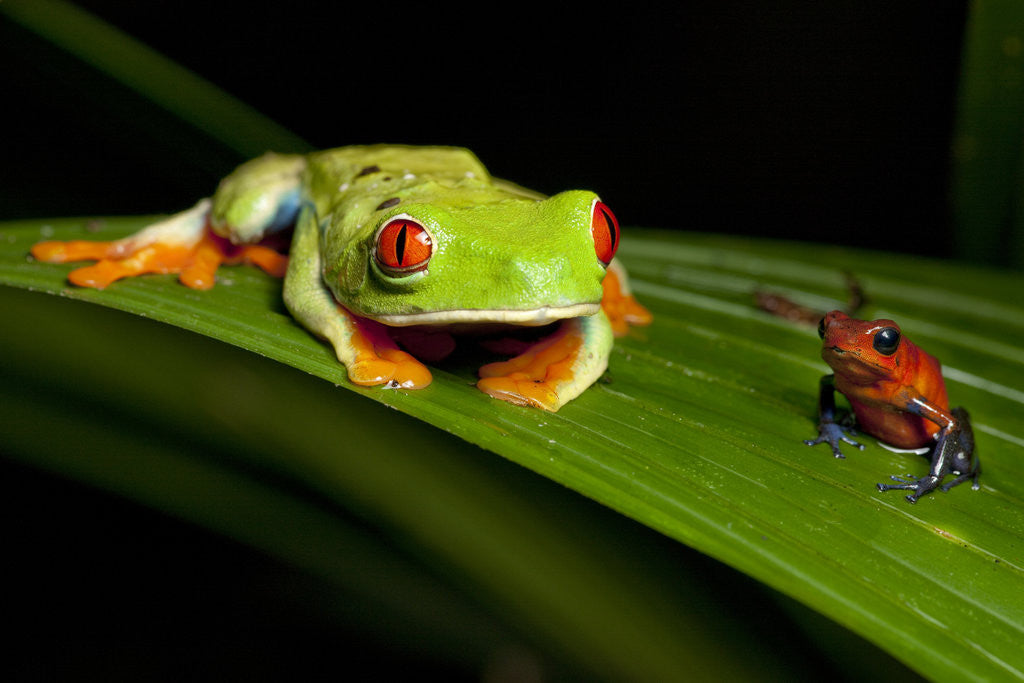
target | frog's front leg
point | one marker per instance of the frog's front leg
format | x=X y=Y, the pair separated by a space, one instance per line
x=556 y=369
x=830 y=431
x=369 y=354
x=953 y=453
x=258 y=199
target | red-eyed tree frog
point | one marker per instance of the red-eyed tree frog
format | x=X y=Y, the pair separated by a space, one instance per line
x=397 y=248
x=898 y=395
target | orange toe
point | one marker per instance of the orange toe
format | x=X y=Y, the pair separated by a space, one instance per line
x=520 y=390
x=270 y=261
x=74 y=250
x=392 y=367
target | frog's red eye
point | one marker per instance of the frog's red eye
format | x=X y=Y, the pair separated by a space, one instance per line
x=403 y=247
x=605 y=230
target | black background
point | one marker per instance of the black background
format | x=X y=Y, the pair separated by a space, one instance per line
x=823 y=121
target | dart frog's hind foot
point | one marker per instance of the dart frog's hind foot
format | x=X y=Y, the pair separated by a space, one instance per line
x=953 y=454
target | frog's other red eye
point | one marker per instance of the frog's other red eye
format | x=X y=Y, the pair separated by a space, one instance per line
x=605 y=229
x=403 y=247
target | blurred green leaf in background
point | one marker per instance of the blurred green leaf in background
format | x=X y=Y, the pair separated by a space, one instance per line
x=988 y=149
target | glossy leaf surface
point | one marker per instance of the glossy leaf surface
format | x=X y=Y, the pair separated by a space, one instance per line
x=696 y=430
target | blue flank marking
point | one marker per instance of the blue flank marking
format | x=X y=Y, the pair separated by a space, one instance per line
x=287 y=211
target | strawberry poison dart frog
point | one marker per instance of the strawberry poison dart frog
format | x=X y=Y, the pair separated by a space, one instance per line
x=897 y=395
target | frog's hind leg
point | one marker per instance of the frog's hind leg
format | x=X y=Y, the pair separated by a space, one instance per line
x=254 y=203
x=158 y=248
x=966 y=461
x=180 y=244
x=953 y=454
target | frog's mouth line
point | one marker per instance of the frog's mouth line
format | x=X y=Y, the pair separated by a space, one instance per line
x=874 y=369
x=532 y=317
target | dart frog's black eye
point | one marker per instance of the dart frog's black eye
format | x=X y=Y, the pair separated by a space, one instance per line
x=886 y=341
x=821 y=328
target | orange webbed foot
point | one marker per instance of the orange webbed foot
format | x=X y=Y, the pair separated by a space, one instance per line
x=535 y=377
x=182 y=244
x=378 y=360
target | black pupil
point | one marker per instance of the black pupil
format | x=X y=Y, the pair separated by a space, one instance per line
x=821 y=328
x=400 y=244
x=887 y=340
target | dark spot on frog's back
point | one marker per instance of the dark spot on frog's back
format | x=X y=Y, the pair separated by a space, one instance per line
x=388 y=203
x=368 y=170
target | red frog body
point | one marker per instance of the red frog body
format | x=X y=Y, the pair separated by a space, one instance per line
x=898 y=395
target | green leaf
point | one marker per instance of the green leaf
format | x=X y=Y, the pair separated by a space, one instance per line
x=988 y=152
x=696 y=432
